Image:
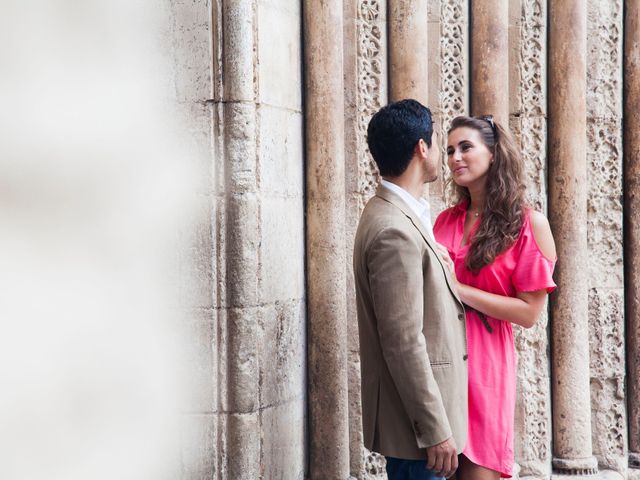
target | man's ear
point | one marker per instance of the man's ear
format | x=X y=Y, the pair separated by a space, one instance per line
x=421 y=149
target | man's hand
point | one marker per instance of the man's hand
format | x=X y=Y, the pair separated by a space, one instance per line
x=442 y=459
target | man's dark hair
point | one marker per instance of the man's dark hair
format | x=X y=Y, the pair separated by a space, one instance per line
x=393 y=133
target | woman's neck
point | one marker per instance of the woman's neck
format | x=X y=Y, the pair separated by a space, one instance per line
x=476 y=199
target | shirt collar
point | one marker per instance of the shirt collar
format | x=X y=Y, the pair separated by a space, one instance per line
x=420 y=207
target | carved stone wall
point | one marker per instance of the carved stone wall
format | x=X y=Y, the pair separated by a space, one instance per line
x=366 y=90
x=527 y=81
x=606 y=285
x=449 y=85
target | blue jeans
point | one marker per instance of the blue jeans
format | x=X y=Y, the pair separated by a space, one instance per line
x=401 y=469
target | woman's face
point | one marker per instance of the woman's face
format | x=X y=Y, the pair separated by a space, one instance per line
x=468 y=157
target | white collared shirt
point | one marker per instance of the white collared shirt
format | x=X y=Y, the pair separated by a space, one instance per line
x=420 y=207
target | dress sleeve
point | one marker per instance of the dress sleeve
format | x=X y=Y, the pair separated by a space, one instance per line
x=533 y=271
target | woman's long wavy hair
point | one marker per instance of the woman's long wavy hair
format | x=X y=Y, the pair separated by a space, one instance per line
x=503 y=211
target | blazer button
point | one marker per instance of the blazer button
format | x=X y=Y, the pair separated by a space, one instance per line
x=465 y=356
x=461 y=316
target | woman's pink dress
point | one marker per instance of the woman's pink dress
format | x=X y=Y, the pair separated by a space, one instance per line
x=492 y=358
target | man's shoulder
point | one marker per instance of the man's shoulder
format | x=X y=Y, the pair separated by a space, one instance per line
x=379 y=214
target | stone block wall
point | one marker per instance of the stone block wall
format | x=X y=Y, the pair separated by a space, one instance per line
x=238 y=75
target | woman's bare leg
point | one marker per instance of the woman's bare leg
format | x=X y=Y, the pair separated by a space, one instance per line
x=467 y=470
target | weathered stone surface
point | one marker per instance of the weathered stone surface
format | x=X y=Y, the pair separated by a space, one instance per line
x=284 y=430
x=604 y=47
x=191 y=42
x=632 y=223
x=374 y=467
x=531 y=133
x=240 y=159
x=453 y=84
x=279 y=54
x=533 y=406
x=245 y=331
x=280 y=152
x=490 y=56
x=243 y=458
x=238 y=28
x=605 y=238
x=282 y=372
x=609 y=422
x=242 y=250
x=408 y=21
x=282 y=249
x=606 y=304
x=568 y=216
x=371 y=93
x=326 y=268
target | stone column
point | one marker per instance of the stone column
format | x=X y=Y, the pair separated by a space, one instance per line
x=568 y=216
x=408 y=50
x=326 y=265
x=490 y=58
x=242 y=453
x=632 y=221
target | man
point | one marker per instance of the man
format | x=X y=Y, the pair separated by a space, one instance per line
x=411 y=322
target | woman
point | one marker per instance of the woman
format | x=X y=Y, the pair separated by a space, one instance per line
x=503 y=256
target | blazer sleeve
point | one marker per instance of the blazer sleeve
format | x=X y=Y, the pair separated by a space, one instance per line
x=394 y=261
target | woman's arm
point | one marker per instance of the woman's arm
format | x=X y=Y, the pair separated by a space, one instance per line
x=525 y=308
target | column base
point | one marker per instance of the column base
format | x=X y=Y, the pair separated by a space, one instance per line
x=575 y=466
x=634 y=460
x=601 y=475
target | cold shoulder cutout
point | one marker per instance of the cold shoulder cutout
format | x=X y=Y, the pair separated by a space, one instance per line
x=542 y=234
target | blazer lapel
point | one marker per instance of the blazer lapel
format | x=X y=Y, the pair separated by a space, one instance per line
x=394 y=199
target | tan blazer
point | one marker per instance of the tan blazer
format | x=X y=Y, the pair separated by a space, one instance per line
x=412 y=334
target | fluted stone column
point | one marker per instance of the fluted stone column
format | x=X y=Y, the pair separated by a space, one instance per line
x=408 y=50
x=326 y=270
x=490 y=58
x=632 y=221
x=568 y=215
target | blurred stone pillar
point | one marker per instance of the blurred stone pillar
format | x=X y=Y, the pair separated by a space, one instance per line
x=326 y=265
x=568 y=216
x=632 y=221
x=490 y=59
x=408 y=50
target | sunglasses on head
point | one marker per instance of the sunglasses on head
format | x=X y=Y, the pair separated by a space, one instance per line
x=489 y=120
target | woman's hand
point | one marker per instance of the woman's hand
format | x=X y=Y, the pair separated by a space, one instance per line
x=446 y=260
